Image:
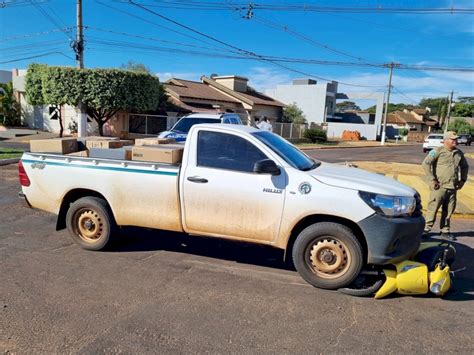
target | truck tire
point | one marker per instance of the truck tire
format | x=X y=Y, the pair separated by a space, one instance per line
x=328 y=255
x=90 y=223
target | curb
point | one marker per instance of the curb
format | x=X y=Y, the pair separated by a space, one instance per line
x=9 y=161
x=355 y=147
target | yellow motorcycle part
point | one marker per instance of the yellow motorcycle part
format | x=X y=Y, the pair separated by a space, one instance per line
x=389 y=286
x=440 y=280
x=410 y=278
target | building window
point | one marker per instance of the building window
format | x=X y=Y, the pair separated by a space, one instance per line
x=146 y=124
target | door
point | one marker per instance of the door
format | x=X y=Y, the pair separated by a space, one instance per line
x=222 y=195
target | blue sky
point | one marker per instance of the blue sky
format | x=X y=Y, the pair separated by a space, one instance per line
x=115 y=29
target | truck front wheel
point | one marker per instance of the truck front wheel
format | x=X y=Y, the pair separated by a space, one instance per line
x=90 y=223
x=327 y=255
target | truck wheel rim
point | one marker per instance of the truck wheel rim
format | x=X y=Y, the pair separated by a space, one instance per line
x=89 y=225
x=329 y=258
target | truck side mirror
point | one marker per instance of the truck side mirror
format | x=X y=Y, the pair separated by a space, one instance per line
x=266 y=166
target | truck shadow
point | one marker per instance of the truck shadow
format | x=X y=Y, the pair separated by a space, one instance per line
x=133 y=239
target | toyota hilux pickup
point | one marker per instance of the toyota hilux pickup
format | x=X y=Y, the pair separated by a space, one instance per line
x=241 y=183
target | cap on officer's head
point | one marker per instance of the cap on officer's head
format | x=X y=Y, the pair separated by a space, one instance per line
x=451 y=135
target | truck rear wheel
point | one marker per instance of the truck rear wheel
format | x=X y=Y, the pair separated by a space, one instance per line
x=327 y=255
x=90 y=223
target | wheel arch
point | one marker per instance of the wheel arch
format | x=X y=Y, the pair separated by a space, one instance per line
x=312 y=219
x=71 y=197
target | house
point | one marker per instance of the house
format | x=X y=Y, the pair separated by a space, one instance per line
x=417 y=120
x=318 y=103
x=45 y=117
x=229 y=93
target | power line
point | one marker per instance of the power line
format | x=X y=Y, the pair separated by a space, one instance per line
x=36 y=56
x=148 y=21
x=305 y=7
x=18 y=3
x=152 y=39
x=35 y=34
x=243 y=51
x=403 y=95
x=307 y=39
x=50 y=18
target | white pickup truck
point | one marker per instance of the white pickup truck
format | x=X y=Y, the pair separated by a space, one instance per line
x=239 y=183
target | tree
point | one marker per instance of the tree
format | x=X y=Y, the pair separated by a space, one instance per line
x=347 y=106
x=392 y=107
x=293 y=114
x=466 y=100
x=461 y=109
x=460 y=126
x=103 y=91
x=435 y=104
x=136 y=67
x=10 y=109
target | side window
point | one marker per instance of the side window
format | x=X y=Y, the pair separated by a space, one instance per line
x=226 y=120
x=234 y=120
x=226 y=151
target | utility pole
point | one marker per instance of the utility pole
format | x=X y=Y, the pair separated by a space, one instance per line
x=79 y=49
x=448 y=115
x=384 y=125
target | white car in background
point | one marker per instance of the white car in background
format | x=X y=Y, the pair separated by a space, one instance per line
x=432 y=141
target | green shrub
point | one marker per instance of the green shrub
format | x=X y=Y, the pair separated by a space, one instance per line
x=316 y=135
x=403 y=132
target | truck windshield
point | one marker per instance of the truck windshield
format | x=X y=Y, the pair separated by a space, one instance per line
x=287 y=151
x=185 y=124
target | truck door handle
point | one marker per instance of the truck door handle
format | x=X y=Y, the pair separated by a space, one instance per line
x=197 y=179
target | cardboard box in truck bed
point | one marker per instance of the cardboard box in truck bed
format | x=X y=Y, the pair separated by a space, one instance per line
x=107 y=143
x=82 y=153
x=55 y=145
x=154 y=141
x=163 y=153
x=124 y=153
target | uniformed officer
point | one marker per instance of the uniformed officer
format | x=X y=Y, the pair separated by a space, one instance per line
x=447 y=170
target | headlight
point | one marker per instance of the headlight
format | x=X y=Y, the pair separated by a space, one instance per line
x=390 y=206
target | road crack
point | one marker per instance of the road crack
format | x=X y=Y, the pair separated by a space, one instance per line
x=343 y=330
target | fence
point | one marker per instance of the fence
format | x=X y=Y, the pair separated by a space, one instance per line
x=289 y=130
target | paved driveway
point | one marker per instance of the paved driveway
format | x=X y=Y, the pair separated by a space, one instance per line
x=167 y=292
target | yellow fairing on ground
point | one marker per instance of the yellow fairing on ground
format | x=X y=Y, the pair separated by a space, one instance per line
x=389 y=286
x=440 y=280
x=410 y=278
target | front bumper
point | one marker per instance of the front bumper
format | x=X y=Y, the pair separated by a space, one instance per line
x=390 y=240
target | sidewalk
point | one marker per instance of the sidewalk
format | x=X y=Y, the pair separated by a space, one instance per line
x=352 y=144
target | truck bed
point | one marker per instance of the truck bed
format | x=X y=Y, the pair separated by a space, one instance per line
x=143 y=194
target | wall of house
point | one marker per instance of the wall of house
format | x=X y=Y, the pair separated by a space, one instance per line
x=271 y=112
x=311 y=99
x=369 y=132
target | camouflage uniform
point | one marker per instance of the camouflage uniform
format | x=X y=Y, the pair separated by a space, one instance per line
x=450 y=169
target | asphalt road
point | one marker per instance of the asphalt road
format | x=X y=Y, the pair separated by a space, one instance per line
x=161 y=292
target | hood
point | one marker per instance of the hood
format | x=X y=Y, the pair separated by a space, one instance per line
x=358 y=179
x=179 y=137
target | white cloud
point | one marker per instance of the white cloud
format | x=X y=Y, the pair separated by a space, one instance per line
x=184 y=75
x=414 y=85
x=262 y=78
